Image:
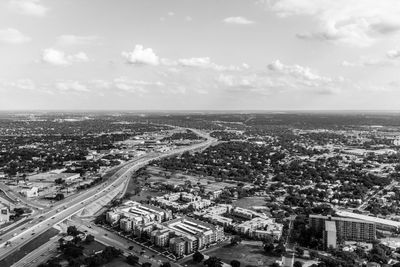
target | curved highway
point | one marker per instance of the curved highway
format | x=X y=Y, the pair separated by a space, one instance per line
x=15 y=239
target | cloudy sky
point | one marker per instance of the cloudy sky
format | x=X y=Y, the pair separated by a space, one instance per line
x=208 y=54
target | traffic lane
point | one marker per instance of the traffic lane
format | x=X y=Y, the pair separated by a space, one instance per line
x=24 y=237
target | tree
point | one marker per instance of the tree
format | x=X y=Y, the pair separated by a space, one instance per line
x=166 y=264
x=146 y=264
x=59 y=181
x=72 y=250
x=72 y=230
x=110 y=253
x=89 y=239
x=18 y=212
x=59 y=196
x=132 y=259
x=280 y=249
x=198 y=257
x=297 y=264
x=268 y=246
x=235 y=263
x=274 y=264
x=213 y=262
x=236 y=240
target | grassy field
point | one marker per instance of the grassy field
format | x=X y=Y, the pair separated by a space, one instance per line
x=134 y=183
x=117 y=263
x=249 y=254
x=91 y=248
x=178 y=178
x=249 y=202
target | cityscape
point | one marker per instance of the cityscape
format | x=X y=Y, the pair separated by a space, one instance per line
x=183 y=133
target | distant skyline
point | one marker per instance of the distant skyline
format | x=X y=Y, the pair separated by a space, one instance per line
x=199 y=55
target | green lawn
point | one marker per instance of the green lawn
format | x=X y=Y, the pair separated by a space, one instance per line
x=249 y=202
x=117 y=263
x=247 y=254
x=91 y=248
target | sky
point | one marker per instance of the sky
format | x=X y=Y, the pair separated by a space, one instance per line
x=200 y=55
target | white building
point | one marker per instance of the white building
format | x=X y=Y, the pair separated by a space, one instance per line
x=4 y=214
x=29 y=192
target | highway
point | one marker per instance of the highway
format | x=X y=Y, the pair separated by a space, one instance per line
x=42 y=222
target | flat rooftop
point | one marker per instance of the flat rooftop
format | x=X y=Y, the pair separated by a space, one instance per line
x=377 y=220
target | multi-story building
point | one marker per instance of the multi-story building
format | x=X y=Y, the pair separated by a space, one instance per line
x=243 y=213
x=112 y=217
x=126 y=224
x=260 y=228
x=339 y=229
x=160 y=237
x=177 y=245
x=147 y=228
x=195 y=234
x=186 y=200
x=218 y=219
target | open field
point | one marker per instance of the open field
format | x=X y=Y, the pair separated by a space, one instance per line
x=248 y=253
x=249 y=202
x=158 y=175
x=117 y=263
x=93 y=247
x=134 y=183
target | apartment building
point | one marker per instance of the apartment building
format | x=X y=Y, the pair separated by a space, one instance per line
x=336 y=230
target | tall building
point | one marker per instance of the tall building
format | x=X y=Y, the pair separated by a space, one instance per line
x=336 y=230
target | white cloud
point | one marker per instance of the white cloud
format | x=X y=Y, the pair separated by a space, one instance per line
x=171 y=14
x=238 y=20
x=297 y=71
x=28 y=7
x=71 y=86
x=389 y=59
x=13 y=36
x=141 y=56
x=134 y=86
x=393 y=54
x=20 y=84
x=124 y=84
x=69 y=39
x=279 y=78
x=188 y=18
x=348 y=22
x=59 y=58
x=201 y=62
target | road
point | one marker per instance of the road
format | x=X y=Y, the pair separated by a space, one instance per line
x=365 y=202
x=112 y=239
x=59 y=213
x=41 y=254
x=17 y=198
